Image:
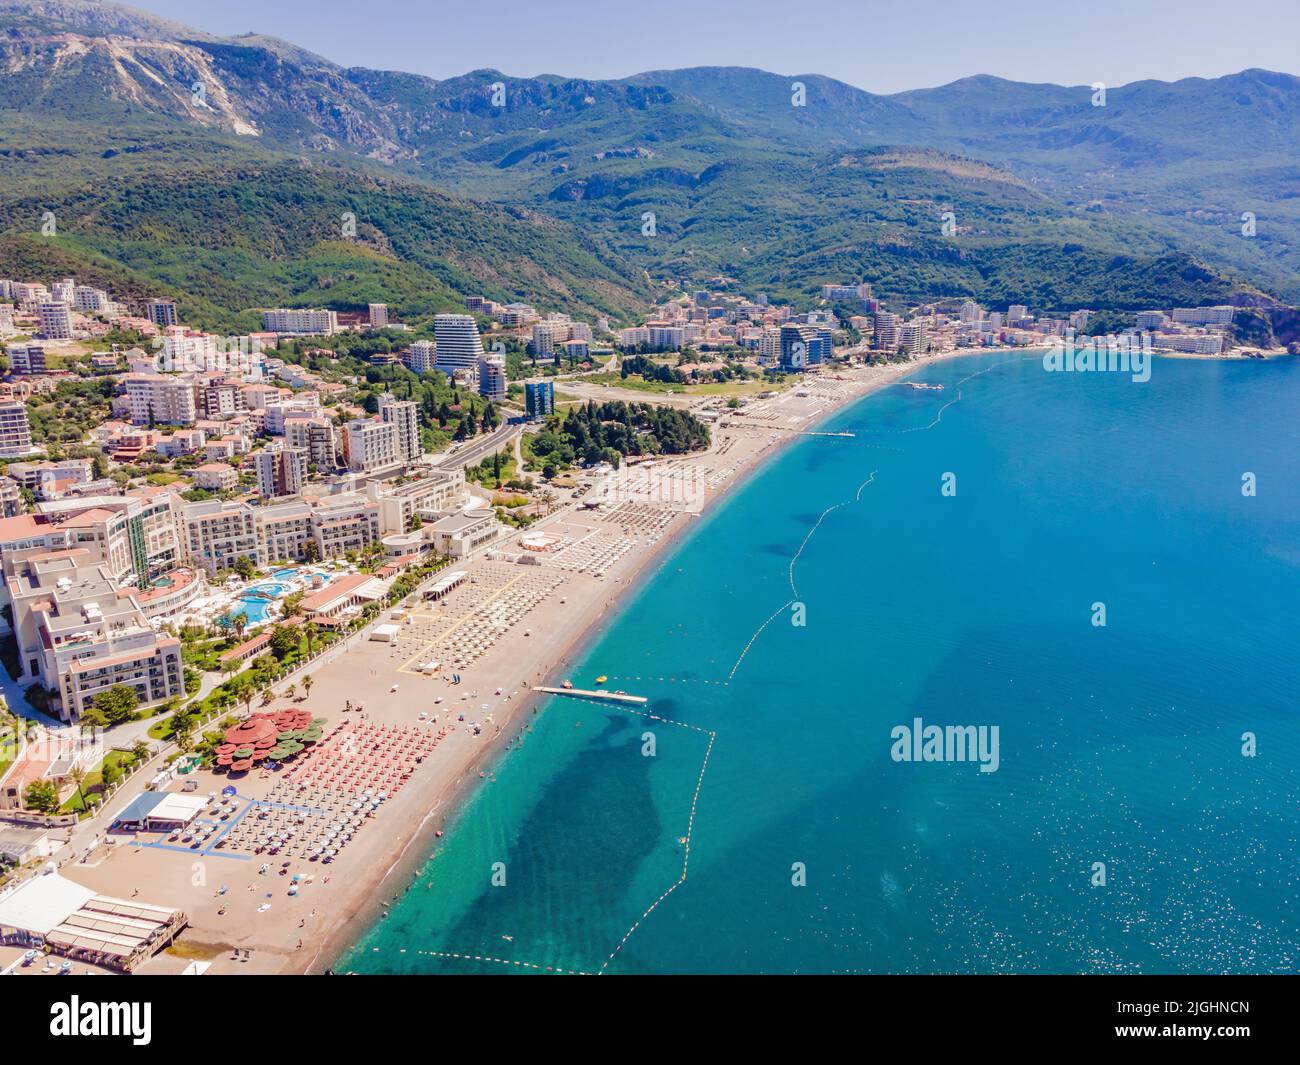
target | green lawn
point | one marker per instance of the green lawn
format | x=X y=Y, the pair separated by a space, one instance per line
x=94 y=781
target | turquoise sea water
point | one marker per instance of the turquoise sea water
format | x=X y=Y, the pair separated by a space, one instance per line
x=1120 y=745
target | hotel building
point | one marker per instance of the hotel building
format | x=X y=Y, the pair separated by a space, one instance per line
x=457 y=345
x=79 y=636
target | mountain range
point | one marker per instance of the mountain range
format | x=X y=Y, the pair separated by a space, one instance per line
x=220 y=170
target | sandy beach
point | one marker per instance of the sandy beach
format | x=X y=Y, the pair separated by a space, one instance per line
x=512 y=626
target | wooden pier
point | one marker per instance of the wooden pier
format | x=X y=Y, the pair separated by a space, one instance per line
x=583 y=693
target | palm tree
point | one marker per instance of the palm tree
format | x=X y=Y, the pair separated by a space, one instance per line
x=268 y=696
x=247 y=697
x=306 y=685
x=77 y=774
x=290 y=691
x=309 y=630
x=241 y=623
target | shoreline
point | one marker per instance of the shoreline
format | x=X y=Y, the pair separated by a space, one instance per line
x=415 y=841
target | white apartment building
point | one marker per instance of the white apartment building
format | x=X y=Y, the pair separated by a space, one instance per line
x=912 y=339
x=421 y=359
x=1195 y=343
x=886 y=327
x=301 y=321
x=15 y=429
x=280 y=471
x=315 y=436
x=549 y=333
x=492 y=378
x=457 y=344
x=370 y=445
x=404 y=415
x=136 y=537
x=55 y=320
x=158 y=399
x=89 y=300
x=161 y=312
x=666 y=337
x=279 y=412
x=1213 y=316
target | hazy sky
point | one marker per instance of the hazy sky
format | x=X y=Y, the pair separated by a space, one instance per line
x=883 y=47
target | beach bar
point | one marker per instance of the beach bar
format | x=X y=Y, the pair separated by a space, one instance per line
x=74 y=921
x=160 y=811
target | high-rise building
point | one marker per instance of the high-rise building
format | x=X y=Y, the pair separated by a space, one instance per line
x=159 y=399
x=804 y=345
x=420 y=358
x=56 y=320
x=280 y=472
x=378 y=315
x=539 y=398
x=316 y=437
x=161 y=312
x=885 y=335
x=457 y=343
x=404 y=414
x=492 y=378
x=369 y=445
x=15 y=429
x=85 y=298
x=912 y=338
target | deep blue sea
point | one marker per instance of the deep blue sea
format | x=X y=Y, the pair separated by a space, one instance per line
x=1119 y=744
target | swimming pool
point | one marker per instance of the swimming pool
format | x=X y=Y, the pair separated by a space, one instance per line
x=255 y=603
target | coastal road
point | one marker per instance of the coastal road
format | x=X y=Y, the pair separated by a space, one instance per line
x=480 y=447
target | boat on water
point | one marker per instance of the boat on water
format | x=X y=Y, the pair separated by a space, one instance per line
x=566 y=684
x=923 y=386
x=601 y=679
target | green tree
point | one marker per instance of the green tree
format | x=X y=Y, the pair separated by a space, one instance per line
x=42 y=796
x=117 y=704
x=284 y=641
x=92 y=720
